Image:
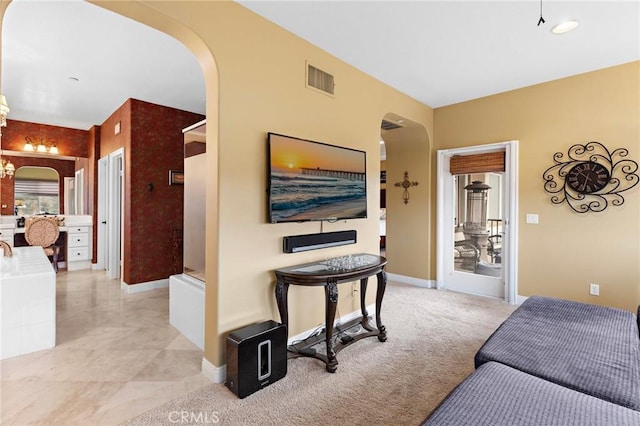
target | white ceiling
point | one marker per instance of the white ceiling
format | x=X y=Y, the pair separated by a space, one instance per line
x=46 y=43
x=445 y=52
x=437 y=52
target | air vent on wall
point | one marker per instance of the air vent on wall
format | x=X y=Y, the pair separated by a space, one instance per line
x=388 y=125
x=320 y=80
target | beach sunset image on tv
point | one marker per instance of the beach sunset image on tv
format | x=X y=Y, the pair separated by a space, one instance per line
x=315 y=181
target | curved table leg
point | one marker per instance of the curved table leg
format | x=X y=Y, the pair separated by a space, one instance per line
x=382 y=285
x=282 y=290
x=331 y=294
x=363 y=305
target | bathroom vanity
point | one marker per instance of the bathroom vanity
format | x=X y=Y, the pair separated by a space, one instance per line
x=75 y=239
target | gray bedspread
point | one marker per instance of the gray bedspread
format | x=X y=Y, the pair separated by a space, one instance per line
x=589 y=348
x=497 y=395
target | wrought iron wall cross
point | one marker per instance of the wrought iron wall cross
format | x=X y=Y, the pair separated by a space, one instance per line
x=406 y=184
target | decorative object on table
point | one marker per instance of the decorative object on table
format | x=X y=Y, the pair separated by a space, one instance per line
x=590 y=177
x=406 y=184
x=176 y=177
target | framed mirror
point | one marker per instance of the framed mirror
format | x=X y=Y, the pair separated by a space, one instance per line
x=36 y=191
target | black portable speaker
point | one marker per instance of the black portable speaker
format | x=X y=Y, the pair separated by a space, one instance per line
x=256 y=357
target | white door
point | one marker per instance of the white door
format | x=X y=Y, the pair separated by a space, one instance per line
x=470 y=265
x=115 y=177
x=69 y=195
x=79 y=192
x=102 y=245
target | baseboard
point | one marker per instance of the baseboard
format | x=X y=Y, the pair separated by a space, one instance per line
x=418 y=282
x=371 y=309
x=520 y=299
x=149 y=285
x=78 y=265
x=213 y=373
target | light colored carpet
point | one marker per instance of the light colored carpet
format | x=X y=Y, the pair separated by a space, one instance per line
x=433 y=336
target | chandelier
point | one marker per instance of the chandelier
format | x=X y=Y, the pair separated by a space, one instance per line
x=7 y=169
x=4 y=110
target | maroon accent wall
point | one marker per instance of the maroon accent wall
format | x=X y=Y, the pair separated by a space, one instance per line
x=194 y=148
x=65 y=168
x=93 y=148
x=70 y=142
x=153 y=144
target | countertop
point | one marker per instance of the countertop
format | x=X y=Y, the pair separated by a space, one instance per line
x=26 y=261
x=9 y=222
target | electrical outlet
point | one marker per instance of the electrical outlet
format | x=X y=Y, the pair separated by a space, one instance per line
x=594 y=289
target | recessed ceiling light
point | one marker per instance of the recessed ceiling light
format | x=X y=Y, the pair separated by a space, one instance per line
x=565 y=27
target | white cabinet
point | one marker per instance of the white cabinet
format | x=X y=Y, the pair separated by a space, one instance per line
x=27 y=303
x=79 y=244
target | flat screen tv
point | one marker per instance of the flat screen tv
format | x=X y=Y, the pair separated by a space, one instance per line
x=314 y=181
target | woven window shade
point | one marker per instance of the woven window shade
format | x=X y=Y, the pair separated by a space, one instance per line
x=477 y=163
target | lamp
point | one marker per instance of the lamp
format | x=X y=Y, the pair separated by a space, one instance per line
x=43 y=146
x=4 y=110
x=475 y=224
x=476 y=217
x=7 y=169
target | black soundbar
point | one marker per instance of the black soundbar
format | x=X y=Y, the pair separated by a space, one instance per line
x=298 y=243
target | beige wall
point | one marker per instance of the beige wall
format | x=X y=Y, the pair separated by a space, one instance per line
x=256 y=86
x=566 y=251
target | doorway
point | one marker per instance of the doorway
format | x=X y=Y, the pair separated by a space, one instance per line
x=110 y=204
x=477 y=233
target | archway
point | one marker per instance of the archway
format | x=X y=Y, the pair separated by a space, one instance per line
x=408 y=239
x=147 y=15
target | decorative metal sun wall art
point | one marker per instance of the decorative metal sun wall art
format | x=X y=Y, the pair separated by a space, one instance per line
x=590 y=177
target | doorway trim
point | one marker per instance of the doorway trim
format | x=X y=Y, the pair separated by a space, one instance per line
x=115 y=185
x=510 y=244
x=101 y=217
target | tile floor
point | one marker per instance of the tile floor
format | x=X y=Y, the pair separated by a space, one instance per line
x=116 y=357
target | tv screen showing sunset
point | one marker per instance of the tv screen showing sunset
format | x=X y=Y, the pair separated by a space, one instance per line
x=315 y=181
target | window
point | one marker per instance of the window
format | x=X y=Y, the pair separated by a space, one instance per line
x=36 y=191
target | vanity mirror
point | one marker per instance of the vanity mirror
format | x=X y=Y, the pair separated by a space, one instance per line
x=36 y=191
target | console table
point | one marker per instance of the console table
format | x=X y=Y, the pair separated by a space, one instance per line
x=329 y=273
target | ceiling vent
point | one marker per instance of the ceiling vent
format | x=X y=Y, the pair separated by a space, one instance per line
x=320 y=80
x=389 y=125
